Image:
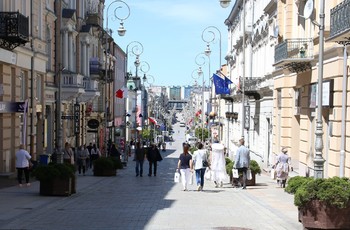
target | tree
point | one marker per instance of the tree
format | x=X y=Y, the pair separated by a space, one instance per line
x=198 y=133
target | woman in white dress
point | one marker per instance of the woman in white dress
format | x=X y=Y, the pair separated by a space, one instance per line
x=218 y=164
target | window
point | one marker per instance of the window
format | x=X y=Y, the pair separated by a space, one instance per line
x=297 y=98
x=279 y=99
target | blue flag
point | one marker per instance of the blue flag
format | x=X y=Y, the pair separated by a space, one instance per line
x=221 y=85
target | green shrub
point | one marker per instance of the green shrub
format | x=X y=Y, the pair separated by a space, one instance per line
x=295 y=182
x=333 y=191
x=106 y=163
x=51 y=171
x=254 y=167
x=229 y=168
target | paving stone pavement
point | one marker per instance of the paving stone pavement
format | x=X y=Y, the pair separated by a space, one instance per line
x=129 y=202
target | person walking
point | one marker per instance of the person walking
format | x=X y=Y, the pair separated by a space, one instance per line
x=153 y=156
x=242 y=161
x=114 y=152
x=184 y=166
x=218 y=164
x=68 y=154
x=95 y=153
x=140 y=154
x=200 y=157
x=83 y=156
x=89 y=160
x=282 y=167
x=22 y=165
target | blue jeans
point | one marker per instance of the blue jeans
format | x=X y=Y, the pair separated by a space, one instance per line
x=200 y=176
x=139 y=165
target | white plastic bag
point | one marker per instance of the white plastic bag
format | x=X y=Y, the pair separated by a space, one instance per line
x=235 y=173
x=177 y=177
x=191 y=179
x=249 y=174
x=207 y=174
x=273 y=174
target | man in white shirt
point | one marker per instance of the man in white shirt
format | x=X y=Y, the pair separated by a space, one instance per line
x=22 y=165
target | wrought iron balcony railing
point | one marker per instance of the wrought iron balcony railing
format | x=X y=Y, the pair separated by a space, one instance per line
x=340 y=23
x=14 y=30
x=298 y=48
x=294 y=54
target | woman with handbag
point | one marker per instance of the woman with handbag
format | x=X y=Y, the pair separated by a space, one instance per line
x=200 y=164
x=184 y=166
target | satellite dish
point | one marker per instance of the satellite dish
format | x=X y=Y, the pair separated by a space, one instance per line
x=308 y=8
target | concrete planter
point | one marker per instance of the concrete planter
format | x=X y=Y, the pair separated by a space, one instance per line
x=318 y=215
x=56 y=187
x=105 y=172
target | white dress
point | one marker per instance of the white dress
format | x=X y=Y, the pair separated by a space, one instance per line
x=218 y=163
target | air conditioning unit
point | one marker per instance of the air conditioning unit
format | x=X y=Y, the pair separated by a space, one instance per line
x=297 y=111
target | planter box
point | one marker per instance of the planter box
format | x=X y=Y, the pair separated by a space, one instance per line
x=56 y=187
x=105 y=172
x=317 y=215
x=251 y=182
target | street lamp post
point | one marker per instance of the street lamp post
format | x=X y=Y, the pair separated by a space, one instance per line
x=144 y=68
x=225 y=3
x=136 y=50
x=59 y=143
x=211 y=31
x=318 y=159
x=121 y=32
x=200 y=61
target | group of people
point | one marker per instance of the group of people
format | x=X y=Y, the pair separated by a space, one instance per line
x=214 y=163
x=150 y=153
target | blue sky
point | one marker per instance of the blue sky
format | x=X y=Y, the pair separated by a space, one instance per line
x=171 y=34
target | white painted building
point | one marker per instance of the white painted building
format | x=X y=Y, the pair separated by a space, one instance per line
x=250 y=57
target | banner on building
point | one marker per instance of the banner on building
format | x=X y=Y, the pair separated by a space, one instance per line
x=12 y=107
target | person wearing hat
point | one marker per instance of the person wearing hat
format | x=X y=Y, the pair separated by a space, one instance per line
x=282 y=167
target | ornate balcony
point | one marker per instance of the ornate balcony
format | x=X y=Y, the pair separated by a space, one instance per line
x=72 y=85
x=94 y=19
x=14 y=30
x=294 y=54
x=91 y=90
x=340 y=23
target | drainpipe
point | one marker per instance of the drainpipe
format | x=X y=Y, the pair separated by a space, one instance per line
x=32 y=85
x=243 y=73
x=343 y=115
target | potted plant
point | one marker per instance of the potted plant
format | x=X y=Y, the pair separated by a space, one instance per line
x=253 y=166
x=106 y=166
x=56 y=179
x=322 y=203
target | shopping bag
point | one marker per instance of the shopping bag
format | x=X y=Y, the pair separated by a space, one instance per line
x=273 y=174
x=235 y=173
x=191 y=179
x=207 y=174
x=177 y=177
x=249 y=174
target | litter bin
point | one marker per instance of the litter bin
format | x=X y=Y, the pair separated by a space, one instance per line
x=44 y=159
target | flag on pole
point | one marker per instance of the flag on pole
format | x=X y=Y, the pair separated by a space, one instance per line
x=221 y=85
x=153 y=120
x=121 y=93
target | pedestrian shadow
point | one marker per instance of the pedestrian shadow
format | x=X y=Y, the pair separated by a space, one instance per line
x=211 y=190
